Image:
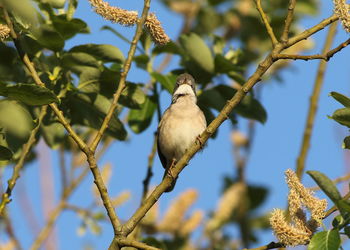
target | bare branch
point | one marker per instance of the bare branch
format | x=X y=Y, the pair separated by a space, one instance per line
x=325 y=56
x=123 y=76
x=309 y=32
x=266 y=22
x=288 y=21
x=314 y=104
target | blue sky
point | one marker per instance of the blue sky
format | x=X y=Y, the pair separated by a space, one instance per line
x=275 y=148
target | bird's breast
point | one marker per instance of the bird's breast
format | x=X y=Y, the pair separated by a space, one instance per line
x=181 y=125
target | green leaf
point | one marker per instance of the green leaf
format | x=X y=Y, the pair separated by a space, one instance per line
x=167 y=81
x=79 y=62
x=346 y=143
x=132 y=96
x=16 y=122
x=338 y=220
x=223 y=65
x=53 y=134
x=95 y=81
x=48 y=37
x=69 y=27
x=170 y=48
x=342 y=116
x=30 y=94
x=344 y=208
x=341 y=98
x=5 y=153
x=55 y=3
x=347 y=231
x=121 y=36
x=198 y=51
x=91 y=109
x=257 y=195
x=103 y=52
x=140 y=119
x=22 y=11
x=249 y=107
x=141 y=61
x=326 y=185
x=212 y=98
x=151 y=241
x=326 y=240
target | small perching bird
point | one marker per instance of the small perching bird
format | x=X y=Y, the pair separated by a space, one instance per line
x=181 y=124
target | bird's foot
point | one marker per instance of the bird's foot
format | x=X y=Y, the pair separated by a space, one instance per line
x=200 y=142
x=169 y=171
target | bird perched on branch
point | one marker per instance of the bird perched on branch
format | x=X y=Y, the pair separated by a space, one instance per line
x=181 y=124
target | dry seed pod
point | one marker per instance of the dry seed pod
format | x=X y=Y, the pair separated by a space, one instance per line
x=300 y=230
x=4 y=32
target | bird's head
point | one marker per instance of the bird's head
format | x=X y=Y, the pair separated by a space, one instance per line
x=185 y=86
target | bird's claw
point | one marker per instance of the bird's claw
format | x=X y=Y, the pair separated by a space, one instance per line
x=199 y=140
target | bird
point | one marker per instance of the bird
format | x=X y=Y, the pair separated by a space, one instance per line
x=181 y=124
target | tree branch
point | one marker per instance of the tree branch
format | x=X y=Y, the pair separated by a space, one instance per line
x=288 y=21
x=266 y=23
x=5 y=199
x=309 y=32
x=314 y=104
x=324 y=56
x=123 y=76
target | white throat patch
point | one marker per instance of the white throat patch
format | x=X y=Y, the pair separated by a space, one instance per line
x=184 y=89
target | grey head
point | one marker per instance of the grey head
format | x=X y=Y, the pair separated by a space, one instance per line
x=185 y=86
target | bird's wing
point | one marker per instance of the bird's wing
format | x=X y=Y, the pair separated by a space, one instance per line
x=160 y=154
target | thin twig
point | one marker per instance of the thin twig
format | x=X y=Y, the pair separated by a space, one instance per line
x=288 y=21
x=123 y=76
x=314 y=104
x=265 y=20
x=5 y=199
x=309 y=32
x=325 y=56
